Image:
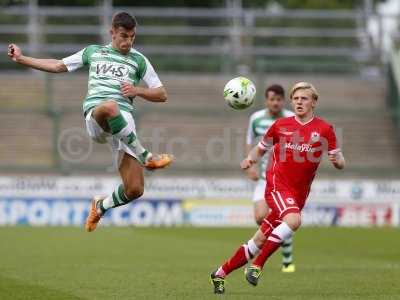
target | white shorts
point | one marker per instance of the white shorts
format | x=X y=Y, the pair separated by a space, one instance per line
x=100 y=136
x=259 y=190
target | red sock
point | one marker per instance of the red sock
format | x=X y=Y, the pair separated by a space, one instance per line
x=238 y=260
x=270 y=246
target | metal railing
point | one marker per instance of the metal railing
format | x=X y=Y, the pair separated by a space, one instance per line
x=229 y=38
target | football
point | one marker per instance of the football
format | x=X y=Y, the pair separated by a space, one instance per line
x=239 y=93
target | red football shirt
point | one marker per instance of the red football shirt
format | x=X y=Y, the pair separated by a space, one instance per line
x=296 y=153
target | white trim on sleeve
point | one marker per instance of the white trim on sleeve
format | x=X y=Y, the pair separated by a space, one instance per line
x=150 y=77
x=74 y=62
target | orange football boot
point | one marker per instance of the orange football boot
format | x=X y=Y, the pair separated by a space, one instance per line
x=94 y=215
x=159 y=161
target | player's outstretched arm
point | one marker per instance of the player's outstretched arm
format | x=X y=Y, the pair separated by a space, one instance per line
x=158 y=94
x=47 y=65
x=254 y=155
x=337 y=160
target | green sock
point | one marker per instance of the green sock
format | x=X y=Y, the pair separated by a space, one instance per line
x=117 y=198
x=120 y=128
x=117 y=123
x=144 y=155
x=287 y=249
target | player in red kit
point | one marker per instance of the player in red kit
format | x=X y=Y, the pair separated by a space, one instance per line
x=297 y=144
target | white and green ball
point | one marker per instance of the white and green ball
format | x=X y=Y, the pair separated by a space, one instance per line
x=239 y=93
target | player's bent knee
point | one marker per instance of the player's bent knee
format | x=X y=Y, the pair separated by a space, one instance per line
x=293 y=220
x=134 y=192
x=110 y=108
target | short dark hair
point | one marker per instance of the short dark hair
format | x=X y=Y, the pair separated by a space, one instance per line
x=125 y=20
x=276 y=88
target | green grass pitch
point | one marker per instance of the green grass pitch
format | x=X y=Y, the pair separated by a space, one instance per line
x=158 y=263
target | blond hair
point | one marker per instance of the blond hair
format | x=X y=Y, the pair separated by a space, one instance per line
x=304 y=86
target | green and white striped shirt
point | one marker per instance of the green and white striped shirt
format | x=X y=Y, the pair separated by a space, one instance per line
x=108 y=68
x=259 y=123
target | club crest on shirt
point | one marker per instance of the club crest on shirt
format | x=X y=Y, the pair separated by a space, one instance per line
x=290 y=200
x=315 y=136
